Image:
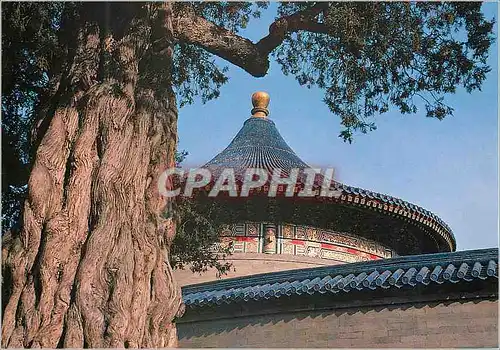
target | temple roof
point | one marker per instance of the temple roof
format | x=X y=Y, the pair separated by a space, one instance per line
x=400 y=273
x=259 y=145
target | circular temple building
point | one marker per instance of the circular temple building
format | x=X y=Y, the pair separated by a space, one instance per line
x=337 y=267
x=289 y=231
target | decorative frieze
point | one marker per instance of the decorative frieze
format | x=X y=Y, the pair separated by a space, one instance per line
x=302 y=240
x=287 y=247
x=340 y=256
x=287 y=231
x=318 y=235
x=313 y=252
x=239 y=229
x=300 y=232
x=252 y=246
x=252 y=229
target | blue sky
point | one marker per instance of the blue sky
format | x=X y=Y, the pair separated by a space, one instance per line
x=449 y=167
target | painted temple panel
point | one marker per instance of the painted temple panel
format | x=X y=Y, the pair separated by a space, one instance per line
x=252 y=237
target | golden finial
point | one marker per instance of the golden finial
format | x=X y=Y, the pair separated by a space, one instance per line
x=260 y=101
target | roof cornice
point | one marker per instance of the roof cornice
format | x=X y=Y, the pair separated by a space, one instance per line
x=464 y=266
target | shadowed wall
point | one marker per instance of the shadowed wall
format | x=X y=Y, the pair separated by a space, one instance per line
x=457 y=324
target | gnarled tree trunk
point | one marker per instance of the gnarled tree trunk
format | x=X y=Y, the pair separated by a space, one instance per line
x=90 y=266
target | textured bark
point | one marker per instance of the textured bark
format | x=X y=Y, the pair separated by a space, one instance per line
x=90 y=266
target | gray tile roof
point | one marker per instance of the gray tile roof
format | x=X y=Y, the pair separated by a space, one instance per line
x=259 y=145
x=409 y=271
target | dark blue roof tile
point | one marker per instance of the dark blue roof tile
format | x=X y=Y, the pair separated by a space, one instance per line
x=382 y=278
x=370 y=279
x=358 y=281
x=492 y=268
x=422 y=274
x=448 y=272
x=476 y=269
x=411 y=272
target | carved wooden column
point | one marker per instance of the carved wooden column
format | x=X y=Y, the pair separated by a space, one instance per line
x=269 y=239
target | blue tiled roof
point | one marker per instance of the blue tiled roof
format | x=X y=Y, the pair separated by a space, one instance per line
x=259 y=145
x=400 y=272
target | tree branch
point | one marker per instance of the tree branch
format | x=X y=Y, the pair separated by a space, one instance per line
x=196 y=30
x=299 y=21
x=253 y=58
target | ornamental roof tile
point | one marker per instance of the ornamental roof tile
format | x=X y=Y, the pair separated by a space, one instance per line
x=409 y=271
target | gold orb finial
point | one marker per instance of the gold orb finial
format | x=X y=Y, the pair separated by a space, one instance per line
x=260 y=101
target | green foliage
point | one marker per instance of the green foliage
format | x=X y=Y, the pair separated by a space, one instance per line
x=232 y=15
x=195 y=74
x=180 y=156
x=195 y=71
x=376 y=54
x=29 y=44
x=197 y=240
